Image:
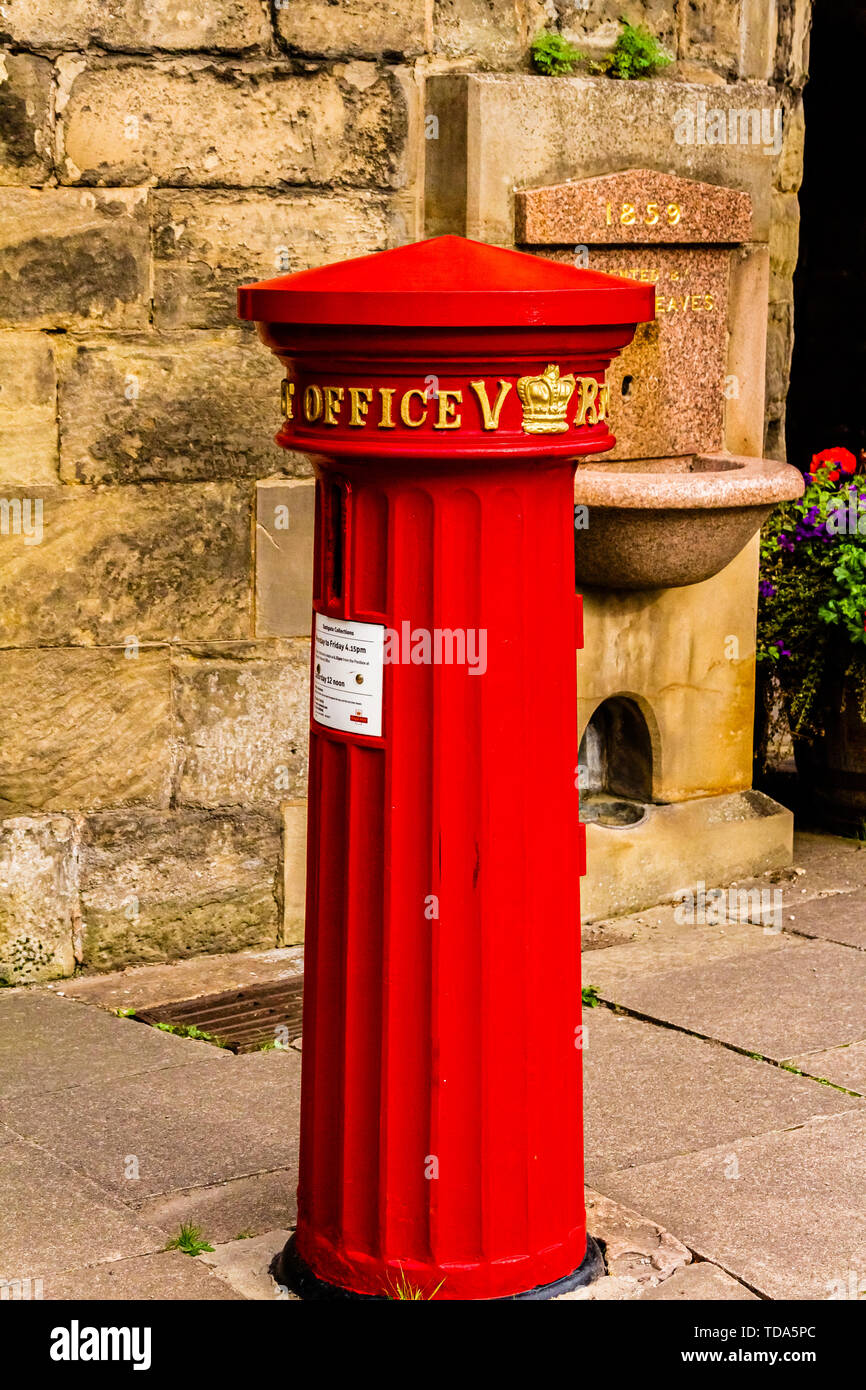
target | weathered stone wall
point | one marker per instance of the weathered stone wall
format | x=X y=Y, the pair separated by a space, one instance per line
x=152 y=155
x=153 y=663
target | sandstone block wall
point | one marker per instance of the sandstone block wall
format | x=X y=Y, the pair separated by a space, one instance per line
x=154 y=544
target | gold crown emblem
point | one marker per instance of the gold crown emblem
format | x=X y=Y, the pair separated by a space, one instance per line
x=545 y=400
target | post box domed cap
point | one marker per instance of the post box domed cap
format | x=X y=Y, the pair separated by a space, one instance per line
x=447 y=282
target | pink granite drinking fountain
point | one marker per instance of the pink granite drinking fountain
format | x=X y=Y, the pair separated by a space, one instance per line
x=666 y=530
x=662 y=523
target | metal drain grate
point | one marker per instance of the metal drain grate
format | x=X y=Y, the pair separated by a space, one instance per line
x=242 y=1019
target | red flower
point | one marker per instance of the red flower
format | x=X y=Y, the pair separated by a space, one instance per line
x=842 y=458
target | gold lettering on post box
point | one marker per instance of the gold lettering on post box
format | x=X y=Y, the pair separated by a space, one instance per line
x=386 y=396
x=587 y=402
x=490 y=415
x=544 y=401
x=333 y=400
x=447 y=417
x=360 y=398
x=313 y=403
x=405 y=414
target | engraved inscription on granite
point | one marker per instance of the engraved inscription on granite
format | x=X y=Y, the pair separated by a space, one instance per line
x=636 y=206
x=668 y=388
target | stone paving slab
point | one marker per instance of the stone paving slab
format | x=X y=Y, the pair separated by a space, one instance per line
x=634 y=1249
x=149 y=985
x=224 y=1211
x=703 y=1281
x=776 y=1003
x=792 y=901
x=7 y=1136
x=646 y=925
x=656 y=926
x=641 y=1260
x=823 y=865
x=47 y=1043
x=670 y=1117
x=169 y=1275
x=244 y=1265
x=830 y=861
x=186 y=1126
x=53 y=1218
x=791 y=1225
x=653 y=1093
x=844 y=1066
x=840 y=918
x=676 y=946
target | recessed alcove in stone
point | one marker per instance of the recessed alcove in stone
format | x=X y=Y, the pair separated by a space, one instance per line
x=616 y=750
x=616 y=759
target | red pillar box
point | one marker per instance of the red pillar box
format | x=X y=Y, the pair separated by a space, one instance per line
x=443 y=391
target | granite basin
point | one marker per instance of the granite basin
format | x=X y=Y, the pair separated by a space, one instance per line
x=663 y=523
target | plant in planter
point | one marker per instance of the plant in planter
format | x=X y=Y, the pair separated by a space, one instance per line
x=812 y=632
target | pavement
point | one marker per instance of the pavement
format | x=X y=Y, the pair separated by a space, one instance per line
x=725 y=1074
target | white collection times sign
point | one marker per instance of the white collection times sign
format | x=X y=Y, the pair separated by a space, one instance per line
x=347 y=675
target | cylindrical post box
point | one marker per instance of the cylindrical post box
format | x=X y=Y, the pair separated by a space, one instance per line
x=443 y=392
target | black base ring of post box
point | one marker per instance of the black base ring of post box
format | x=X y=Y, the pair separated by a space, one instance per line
x=289 y=1270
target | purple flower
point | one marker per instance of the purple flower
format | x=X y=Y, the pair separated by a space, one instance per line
x=810 y=527
x=784 y=543
x=766 y=589
x=783 y=650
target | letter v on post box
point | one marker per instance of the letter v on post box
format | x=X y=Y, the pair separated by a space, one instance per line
x=443 y=392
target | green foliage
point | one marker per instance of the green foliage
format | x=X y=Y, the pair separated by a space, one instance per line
x=189 y=1241
x=812 y=604
x=402 y=1291
x=189 y=1030
x=554 y=55
x=846 y=603
x=636 y=54
x=821 y=1080
x=589 y=995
